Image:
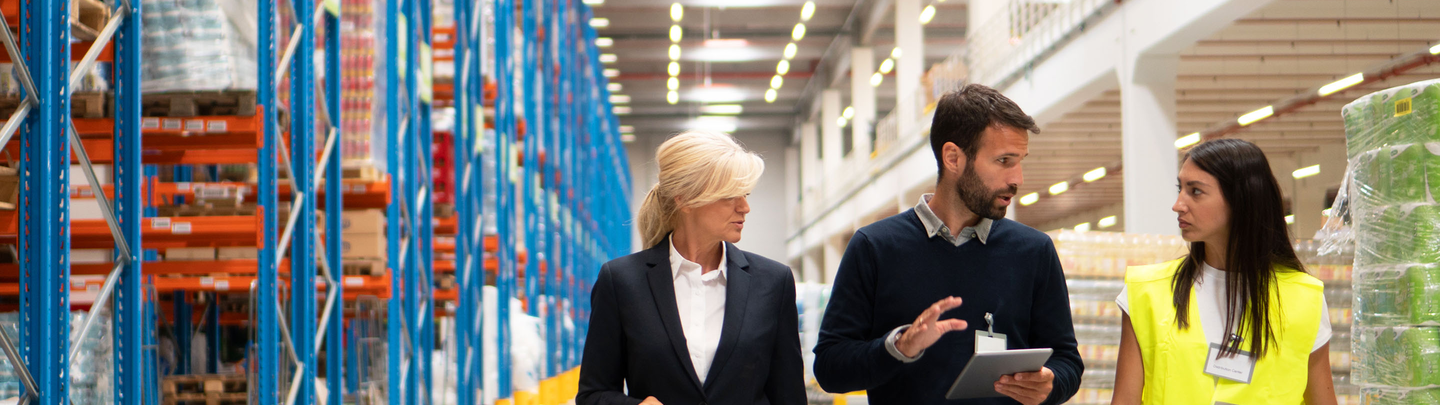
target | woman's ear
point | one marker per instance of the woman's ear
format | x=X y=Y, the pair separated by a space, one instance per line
x=680 y=204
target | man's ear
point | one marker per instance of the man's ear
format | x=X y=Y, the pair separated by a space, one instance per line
x=953 y=158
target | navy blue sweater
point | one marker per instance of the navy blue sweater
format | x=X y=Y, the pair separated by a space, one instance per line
x=892 y=271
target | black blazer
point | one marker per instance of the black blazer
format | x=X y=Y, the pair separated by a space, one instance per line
x=636 y=342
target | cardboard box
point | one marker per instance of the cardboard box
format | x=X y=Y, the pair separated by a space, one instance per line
x=363 y=246
x=190 y=254
x=9 y=188
x=363 y=222
x=234 y=253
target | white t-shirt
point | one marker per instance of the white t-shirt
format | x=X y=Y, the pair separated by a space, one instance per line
x=1211 y=295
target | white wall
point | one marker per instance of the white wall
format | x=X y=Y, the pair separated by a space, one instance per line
x=765 y=225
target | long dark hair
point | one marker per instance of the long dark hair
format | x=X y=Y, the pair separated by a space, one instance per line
x=1258 y=241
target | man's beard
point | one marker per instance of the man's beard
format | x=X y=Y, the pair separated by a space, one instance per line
x=977 y=198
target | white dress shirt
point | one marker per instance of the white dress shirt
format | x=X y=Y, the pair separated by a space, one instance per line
x=701 y=301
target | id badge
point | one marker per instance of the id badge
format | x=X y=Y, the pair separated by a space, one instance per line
x=1237 y=368
x=989 y=342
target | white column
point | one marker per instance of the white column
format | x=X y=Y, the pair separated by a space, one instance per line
x=792 y=189
x=1147 y=113
x=809 y=164
x=910 y=38
x=984 y=12
x=830 y=142
x=832 y=250
x=862 y=98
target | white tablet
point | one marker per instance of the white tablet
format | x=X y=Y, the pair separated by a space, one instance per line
x=978 y=378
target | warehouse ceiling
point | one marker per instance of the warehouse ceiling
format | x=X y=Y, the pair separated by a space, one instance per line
x=729 y=51
x=1286 y=48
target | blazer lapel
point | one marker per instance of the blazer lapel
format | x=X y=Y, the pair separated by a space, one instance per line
x=662 y=287
x=737 y=298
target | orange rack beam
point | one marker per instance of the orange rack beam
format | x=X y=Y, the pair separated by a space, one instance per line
x=156 y=232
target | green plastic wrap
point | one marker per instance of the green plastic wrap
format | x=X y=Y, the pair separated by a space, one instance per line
x=1397 y=357
x=1393 y=142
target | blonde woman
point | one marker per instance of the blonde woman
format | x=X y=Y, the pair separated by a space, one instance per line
x=693 y=319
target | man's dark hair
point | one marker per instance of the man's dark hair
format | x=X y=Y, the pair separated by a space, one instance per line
x=961 y=116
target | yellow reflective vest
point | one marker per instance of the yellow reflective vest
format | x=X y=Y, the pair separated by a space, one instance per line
x=1174 y=359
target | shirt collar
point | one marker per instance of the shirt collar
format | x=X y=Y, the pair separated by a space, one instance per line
x=936 y=227
x=679 y=264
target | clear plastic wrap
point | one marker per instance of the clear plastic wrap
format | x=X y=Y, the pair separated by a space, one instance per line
x=1389 y=198
x=197 y=45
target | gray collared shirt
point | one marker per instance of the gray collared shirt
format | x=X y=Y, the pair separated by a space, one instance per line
x=935 y=227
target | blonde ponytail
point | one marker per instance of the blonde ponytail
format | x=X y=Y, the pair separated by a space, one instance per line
x=696 y=168
x=656 y=216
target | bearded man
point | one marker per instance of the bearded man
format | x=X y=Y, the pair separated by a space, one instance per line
x=901 y=282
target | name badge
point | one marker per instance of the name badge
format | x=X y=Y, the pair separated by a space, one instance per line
x=989 y=342
x=1237 y=368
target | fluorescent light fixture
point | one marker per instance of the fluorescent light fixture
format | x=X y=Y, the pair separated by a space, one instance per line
x=927 y=14
x=608 y=58
x=674 y=51
x=1097 y=174
x=673 y=83
x=611 y=72
x=849 y=112
x=790 y=49
x=619 y=99
x=1435 y=50
x=1107 y=222
x=594 y=2
x=799 y=32
x=621 y=110
x=1256 y=115
x=770 y=95
x=625 y=129
x=887 y=66
x=728 y=109
x=1306 y=172
x=776 y=81
x=1187 y=140
x=1342 y=84
x=841 y=122
x=627 y=138
x=714 y=123
x=676 y=33
x=604 y=42
x=1085 y=227
x=783 y=67
x=599 y=22
x=1029 y=198
x=727 y=43
x=895 y=53
x=876 y=79
x=672 y=97
x=1290 y=220
x=717 y=94
x=1060 y=187
x=807 y=11
x=673 y=69
x=677 y=12
x=614 y=87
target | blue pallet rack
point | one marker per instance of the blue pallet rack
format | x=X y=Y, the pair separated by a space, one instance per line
x=560 y=184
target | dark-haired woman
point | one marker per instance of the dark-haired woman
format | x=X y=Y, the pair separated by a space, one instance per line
x=1236 y=321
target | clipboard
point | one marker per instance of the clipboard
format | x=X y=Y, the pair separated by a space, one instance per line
x=978 y=378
